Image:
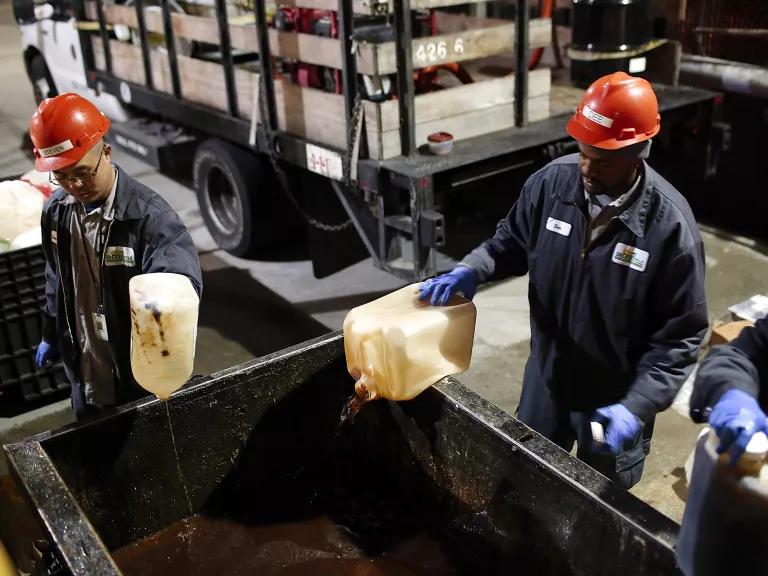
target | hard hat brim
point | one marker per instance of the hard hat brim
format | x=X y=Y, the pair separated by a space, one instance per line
x=579 y=132
x=53 y=163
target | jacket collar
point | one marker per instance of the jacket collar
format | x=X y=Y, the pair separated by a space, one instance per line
x=634 y=215
x=125 y=202
x=126 y=198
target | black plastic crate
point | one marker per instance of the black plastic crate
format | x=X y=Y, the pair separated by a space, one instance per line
x=22 y=293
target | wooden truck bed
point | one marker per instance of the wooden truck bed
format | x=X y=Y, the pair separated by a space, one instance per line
x=483 y=45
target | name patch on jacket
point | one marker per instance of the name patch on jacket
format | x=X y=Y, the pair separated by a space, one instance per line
x=119 y=256
x=630 y=256
x=558 y=226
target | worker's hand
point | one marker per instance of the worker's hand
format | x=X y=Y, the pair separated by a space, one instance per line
x=46 y=354
x=439 y=290
x=621 y=426
x=735 y=418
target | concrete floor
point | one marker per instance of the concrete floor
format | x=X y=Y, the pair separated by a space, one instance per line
x=254 y=307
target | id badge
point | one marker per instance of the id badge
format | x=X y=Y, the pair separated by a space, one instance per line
x=100 y=325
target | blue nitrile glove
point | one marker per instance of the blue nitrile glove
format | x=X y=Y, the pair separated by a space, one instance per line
x=735 y=418
x=621 y=426
x=46 y=353
x=439 y=290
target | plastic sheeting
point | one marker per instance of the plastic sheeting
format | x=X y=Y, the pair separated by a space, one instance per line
x=21 y=205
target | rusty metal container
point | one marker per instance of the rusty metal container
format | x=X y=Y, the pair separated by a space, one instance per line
x=259 y=447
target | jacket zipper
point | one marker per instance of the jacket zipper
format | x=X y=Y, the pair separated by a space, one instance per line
x=103 y=258
x=103 y=296
x=61 y=277
x=588 y=240
x=58 y=267
x=585 y=241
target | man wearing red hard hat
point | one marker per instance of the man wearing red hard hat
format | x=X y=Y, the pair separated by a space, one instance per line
x=100 y=228
x=616 y=292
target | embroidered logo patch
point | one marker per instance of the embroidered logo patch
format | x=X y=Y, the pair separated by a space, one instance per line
x=119 y=256
x=630 y=256
x=558 y=226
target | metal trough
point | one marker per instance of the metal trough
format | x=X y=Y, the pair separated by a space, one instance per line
x=258 y=445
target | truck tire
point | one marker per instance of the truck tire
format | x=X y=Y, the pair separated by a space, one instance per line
x=42 y=81
x=228 y=181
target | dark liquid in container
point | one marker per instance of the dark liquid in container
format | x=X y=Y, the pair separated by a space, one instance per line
x=201 y=545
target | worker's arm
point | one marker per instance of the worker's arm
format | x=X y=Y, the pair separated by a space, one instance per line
x=741 y=365
x=51 y=278
x=169 y=248
x=506 y=253
x=679 y=320
x=48 y=347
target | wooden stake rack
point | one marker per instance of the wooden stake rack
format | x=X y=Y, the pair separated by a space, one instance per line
x=464 y=110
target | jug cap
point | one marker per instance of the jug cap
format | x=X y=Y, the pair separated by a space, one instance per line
x=751 y=460
x=757 y=447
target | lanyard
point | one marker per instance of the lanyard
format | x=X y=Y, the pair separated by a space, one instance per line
x=96 y=279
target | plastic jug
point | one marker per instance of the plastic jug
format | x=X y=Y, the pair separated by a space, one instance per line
x=397 y=346
x=725 y=525
x=164 y=310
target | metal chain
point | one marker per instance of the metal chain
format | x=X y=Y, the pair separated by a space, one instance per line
x=352 y=141
x=283 y=178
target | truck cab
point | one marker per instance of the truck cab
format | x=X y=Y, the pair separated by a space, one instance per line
x=53 y=58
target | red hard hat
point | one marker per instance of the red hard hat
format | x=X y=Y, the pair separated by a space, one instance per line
x=616 y=111
x=63 y=129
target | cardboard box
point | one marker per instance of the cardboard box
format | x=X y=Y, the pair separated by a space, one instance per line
x=725 y=332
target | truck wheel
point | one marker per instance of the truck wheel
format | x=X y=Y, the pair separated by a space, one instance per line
x=227 y=180
x=42 y=81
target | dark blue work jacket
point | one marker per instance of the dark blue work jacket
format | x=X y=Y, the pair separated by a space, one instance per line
x=741 y=365
x=149 y=235
x=617 y=318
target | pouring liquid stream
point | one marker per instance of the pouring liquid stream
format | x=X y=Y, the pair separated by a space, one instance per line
x=350 y=410
x=164 y=311
x=189 y=530
x=178 y=462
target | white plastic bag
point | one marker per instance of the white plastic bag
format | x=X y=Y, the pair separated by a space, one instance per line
x=32 y=237
x=21 y=205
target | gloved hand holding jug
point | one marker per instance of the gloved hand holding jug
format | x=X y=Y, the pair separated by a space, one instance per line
x=440 y=289
x=620 y=426
x=736 y=418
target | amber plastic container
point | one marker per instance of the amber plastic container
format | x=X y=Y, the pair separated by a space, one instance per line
x=397 y=346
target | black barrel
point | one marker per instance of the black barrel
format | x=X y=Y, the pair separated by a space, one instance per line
x=610 y=25
x=612 y=28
